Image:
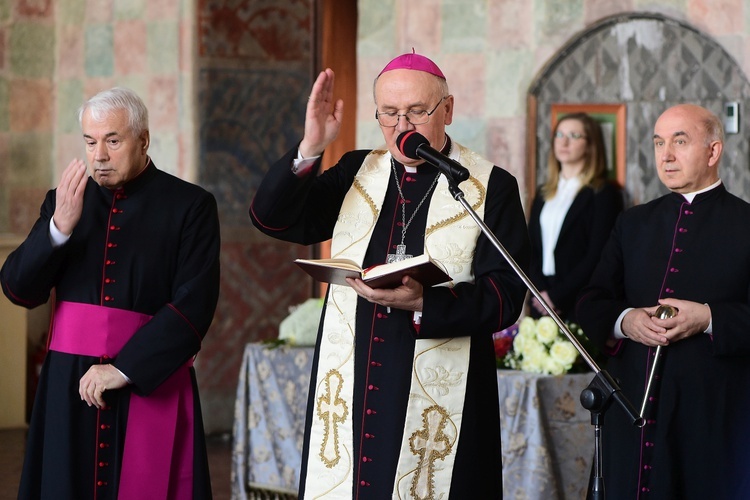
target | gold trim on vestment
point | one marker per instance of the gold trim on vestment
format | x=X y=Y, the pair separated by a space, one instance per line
x=479 y=201
x=438 y=384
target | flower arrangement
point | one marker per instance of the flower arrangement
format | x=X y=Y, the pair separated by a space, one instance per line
x=538 y=346
x=300 y=328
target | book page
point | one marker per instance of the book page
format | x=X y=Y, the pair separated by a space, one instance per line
x=337 y=263
x=393 y=267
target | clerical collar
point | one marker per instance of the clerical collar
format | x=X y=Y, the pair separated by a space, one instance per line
x=691 y=196
x=134 y=184
x=446 y=150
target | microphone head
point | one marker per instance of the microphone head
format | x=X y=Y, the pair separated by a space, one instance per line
x=408 y=142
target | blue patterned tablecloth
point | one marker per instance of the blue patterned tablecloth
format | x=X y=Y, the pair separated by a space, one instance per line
x=548 y=440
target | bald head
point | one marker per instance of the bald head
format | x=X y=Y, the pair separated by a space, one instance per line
x=692 y=113
x=688 y=142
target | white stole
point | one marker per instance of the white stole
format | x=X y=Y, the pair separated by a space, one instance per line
x=438 y=385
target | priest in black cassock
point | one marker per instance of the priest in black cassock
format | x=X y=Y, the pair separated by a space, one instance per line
x=132 y=256
x=403 y=398
x=690 y=250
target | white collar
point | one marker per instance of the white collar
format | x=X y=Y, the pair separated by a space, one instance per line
x=691 y=196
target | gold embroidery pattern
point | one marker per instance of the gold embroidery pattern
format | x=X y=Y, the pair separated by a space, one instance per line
x=431 y=444
x=361 y=190
x=440 y=380
x=482 y=194
x=373 y=209
x=332 y=410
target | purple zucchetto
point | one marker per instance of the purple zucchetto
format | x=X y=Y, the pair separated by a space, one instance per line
x=415 y=62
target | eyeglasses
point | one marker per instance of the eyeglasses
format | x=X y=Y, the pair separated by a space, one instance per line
x=573 y=136
x=415 y=116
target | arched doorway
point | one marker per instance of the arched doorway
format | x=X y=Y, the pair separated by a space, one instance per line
x=646 y=62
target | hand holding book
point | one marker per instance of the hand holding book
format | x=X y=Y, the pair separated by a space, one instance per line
x=335 y=271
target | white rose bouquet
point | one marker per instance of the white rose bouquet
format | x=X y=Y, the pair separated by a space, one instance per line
x=300 y=328
x=540 y=347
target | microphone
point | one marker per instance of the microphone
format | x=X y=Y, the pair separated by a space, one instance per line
x=414 y=145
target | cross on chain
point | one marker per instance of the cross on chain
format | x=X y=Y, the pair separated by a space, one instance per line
x=431 y=444
x=332 y=410
x=399 y=255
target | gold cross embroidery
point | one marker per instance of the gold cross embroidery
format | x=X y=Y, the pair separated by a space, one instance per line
x=332 y=410
x=431 y=444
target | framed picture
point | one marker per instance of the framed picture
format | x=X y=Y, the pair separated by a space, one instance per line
x=611 y=117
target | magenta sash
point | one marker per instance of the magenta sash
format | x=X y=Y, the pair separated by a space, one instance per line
x=157 y=460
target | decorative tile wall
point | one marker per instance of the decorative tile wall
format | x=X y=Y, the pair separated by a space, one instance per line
x=648 y=62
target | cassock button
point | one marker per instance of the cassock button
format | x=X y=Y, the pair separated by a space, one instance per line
x=103 y=464
x=364 y=483
x=373 y=387
x=108 y=298
x=103 y=445
x=370 y=411
x=682 y=230
x=366 y=459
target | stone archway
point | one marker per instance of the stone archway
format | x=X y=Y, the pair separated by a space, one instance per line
x=648 y=62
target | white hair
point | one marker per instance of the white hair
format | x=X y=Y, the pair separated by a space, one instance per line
x=114 y=99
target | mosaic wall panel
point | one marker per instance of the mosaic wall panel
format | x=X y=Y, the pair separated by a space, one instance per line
x=648 y=62
x=259 y=30
x=245 y=125
x=254 y=76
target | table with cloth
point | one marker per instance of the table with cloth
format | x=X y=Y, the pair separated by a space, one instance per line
x=547 y=437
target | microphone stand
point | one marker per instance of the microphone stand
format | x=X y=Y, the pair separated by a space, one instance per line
x=600 y=392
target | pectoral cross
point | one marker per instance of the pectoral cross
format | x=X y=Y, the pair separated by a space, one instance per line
x=399 y=255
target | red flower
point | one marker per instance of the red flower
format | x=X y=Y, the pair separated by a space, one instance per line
x=504 y=340
x=503 y=345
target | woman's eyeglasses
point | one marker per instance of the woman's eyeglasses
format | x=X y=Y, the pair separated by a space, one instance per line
x=573 y=136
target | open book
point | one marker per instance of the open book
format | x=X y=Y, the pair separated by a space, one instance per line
x=335 y=271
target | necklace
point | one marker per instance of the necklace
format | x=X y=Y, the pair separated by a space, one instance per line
x=401 y=249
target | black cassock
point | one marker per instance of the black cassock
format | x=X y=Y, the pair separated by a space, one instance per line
x=304 y=210
x=151 y=247
x=695 y=441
